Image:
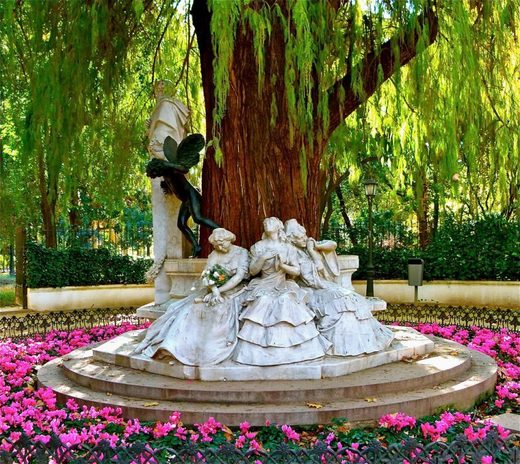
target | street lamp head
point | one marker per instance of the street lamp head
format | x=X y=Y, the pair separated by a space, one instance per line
x=370 y=188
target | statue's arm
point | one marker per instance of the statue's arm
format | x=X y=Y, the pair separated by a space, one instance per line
x=312 y=246
x=292 y=266
x=157 y=168
x=257 y=261
x=291 y=270
x=326 y=245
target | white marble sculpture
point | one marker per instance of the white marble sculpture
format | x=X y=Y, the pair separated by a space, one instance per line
x=292 y=311
x=277 y=325
x=168 y=119
x=201 y=329
x=344 y=317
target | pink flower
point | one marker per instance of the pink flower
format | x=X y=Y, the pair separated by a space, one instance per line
x=162 y=429
x=244 y=427
x=181 y=433
x=487 y=459
x=254 y=445
x=42 y=439
x=290 y=433
x=175 y=417
x=397 y=421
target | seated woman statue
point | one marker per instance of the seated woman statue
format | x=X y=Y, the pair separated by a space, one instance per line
x=201 y=329
x=344 y=317
x=277 y=326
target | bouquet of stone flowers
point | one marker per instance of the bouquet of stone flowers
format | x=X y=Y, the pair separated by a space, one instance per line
x=215 y=275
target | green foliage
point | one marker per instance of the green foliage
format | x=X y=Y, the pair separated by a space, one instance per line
x=7 y=296
x=446 y=122
x=74 y=97
x=484 y=249
x=47 y=267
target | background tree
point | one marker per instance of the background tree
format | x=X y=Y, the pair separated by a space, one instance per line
x=75 y=95
x=296 y=94
x=270 y=132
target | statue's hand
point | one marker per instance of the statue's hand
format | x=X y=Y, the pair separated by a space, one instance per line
x=268 y=255
x=216 y=299
x=311 y=244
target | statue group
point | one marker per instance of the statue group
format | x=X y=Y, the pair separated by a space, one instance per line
x=277 y=304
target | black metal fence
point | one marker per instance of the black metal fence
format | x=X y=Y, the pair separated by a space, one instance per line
x=33 y=323
x=41 y=323
x=452 y=315
x=459 y=450
x=122 y=238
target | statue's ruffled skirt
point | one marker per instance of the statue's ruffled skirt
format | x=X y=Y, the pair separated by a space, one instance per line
x=347 y=322
x=278 y=327
x=194 y=333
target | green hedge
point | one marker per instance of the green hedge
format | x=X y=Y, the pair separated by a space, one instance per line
x=47 y=267
x=486 y=249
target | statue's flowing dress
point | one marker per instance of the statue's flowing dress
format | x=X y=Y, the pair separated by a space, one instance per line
x=344 y=316
x=195 y=333
x=277 y=325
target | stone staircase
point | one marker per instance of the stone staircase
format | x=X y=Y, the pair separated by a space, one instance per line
x=449 y=376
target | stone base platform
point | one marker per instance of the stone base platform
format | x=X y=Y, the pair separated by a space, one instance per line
x=407 y=343
x=450 y=375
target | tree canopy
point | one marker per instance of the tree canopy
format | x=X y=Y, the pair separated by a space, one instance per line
x=423 y=94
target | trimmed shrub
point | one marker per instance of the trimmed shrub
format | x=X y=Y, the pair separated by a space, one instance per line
x=47 y=267
x=484 y=249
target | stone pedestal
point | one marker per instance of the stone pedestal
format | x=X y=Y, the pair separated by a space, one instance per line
x=167 y=238
x=450 y=375
x=406 y=344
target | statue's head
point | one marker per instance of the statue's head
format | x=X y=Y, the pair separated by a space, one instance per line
x=159 y=88
x=272 y=224
x=296 y=233
x=221 y=239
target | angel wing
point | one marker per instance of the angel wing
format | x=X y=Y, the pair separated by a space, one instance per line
x=188 y=151
x=170 y=149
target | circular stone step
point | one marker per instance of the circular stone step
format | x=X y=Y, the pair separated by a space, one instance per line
x=407 y=342
x=448 y=360
x=461 y=390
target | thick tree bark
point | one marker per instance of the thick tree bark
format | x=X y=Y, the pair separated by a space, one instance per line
x=260 y=175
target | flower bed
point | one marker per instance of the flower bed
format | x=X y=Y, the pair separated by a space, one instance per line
x=27 y=412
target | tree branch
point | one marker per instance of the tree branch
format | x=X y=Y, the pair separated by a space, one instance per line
x=395 y=52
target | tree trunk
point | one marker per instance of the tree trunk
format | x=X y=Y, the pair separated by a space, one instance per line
x=422 y=209
x=47 y=204
x=260 y=173
x=326 y=219
x=346 y=219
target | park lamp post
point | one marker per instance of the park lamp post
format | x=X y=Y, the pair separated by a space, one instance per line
x=370 y=192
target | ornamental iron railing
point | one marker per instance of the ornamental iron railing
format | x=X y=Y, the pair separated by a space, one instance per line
x=41 y=323
x=404 y=314
x=459 y=450
x=451 y=315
